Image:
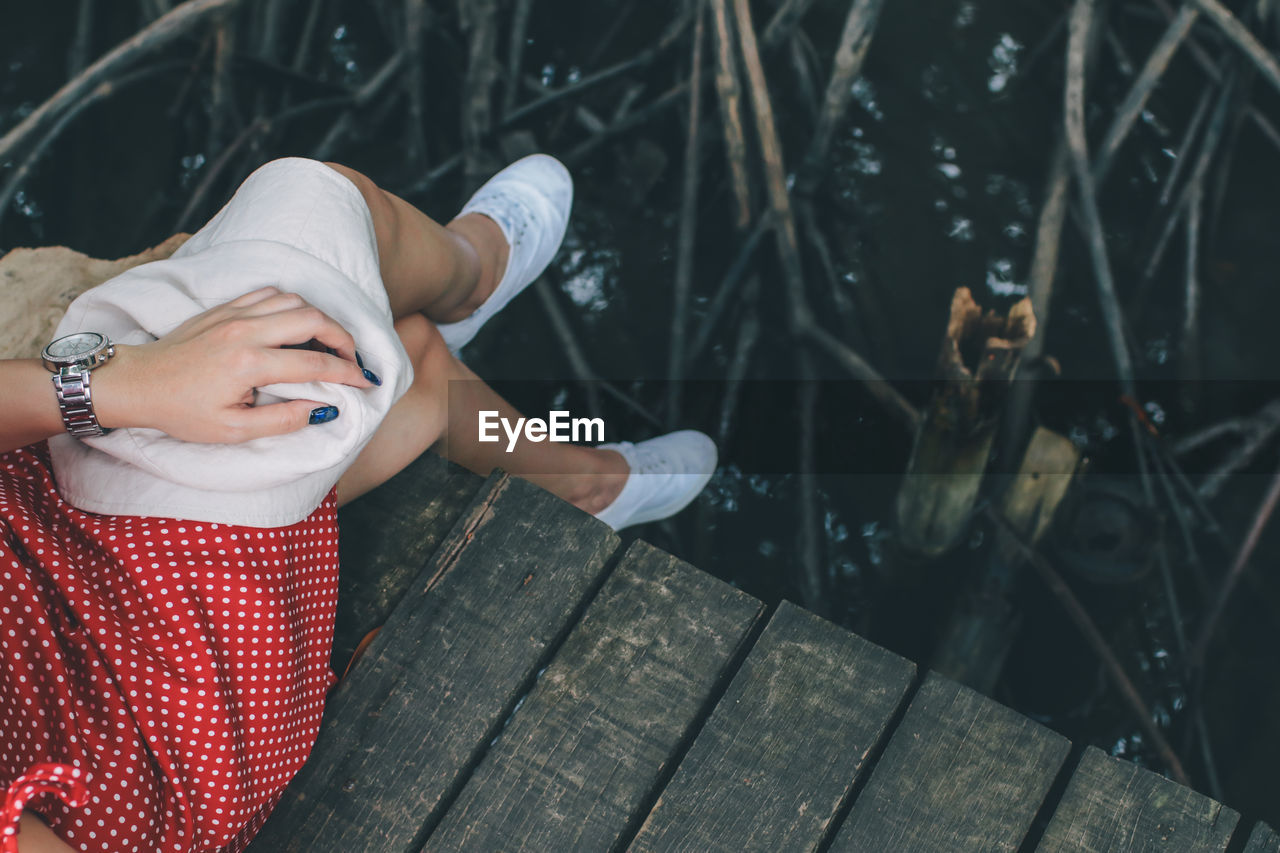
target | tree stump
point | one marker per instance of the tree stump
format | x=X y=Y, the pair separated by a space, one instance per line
x=980 y=353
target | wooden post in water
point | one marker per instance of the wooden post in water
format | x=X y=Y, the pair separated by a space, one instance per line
x=976 y=639
x=980 y=354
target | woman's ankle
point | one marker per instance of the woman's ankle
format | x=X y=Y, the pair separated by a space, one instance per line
x=484 y=248
x=593 y=491
x=596 y=482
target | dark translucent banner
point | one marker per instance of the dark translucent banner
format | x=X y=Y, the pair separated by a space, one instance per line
x=844 y=427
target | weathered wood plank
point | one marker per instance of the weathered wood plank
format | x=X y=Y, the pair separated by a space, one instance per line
x=401 y=732
x=960 y=773
x=386 y=538
x=783 y=747
x=577 y=764
x=1263 y=840
x=1112 y=805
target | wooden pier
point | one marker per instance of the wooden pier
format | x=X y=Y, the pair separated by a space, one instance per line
x=537 y=687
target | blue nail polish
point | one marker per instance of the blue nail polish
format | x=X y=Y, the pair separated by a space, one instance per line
x=371 y=376
x=323 y=415
x=360 y=362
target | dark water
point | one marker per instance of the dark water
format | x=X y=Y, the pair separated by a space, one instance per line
x=936 y=183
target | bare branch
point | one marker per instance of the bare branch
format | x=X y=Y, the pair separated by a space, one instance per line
x=154 y=36
x=855 y=40
x=1243 y=39
x=1128 y=111
x=688 y=225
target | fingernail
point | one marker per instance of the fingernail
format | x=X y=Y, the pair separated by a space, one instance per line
x=323 y=415
x=360 y=362
x=371 y=376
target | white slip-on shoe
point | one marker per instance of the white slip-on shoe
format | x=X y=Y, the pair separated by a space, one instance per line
x=667 y=473
x=529 y=200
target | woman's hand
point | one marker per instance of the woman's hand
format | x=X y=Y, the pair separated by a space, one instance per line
x=197 y=382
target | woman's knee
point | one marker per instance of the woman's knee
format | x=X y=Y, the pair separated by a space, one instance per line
x=363 y=183
x=425 y=345
x=374 y=198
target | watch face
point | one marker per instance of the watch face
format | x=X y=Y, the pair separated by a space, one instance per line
x=72 y=346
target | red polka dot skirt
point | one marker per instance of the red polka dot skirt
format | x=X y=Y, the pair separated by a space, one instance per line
x=162 y=680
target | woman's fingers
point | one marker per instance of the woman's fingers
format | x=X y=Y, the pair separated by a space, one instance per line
x=292 y=321
x=254 y=297
x=209 y=318
x=237 y=306
x=271 y=304
x=278 y=419
x=292 y=365
x=299 y=324
x=228 y=351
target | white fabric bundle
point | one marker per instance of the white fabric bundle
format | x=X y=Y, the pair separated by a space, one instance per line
x=302 y=227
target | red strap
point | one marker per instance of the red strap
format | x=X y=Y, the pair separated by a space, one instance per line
x=62 y=780
x=355 y=656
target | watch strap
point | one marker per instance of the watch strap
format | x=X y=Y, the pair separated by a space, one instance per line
x=75 y=400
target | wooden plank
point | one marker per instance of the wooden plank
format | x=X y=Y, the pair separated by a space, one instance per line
x=783 y=747
x=1112 y=805
x=960 y=773
x=403 y=730
x=386 y=538
x=578 y=763
x=1263 y=840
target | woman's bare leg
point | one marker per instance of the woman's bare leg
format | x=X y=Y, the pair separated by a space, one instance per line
x=443 y=271
x=35 y=837
x=442 y=408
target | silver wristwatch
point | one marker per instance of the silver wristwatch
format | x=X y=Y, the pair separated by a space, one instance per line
x=71 y=359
